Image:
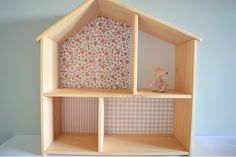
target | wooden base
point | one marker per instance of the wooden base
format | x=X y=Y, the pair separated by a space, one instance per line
x=86 y=144
x=72 y=144
x=142 y=145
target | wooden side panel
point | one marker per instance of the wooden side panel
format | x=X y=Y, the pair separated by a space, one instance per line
x=46 y=123
x=101 y=124
x=57 y=117
x=134 y=54
x=183 y=121
x=50 y=65
x=185 y=66
x=185 y=82
x=193 y=94
x=49 y=81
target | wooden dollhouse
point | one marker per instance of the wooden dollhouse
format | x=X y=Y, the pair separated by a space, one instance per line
x=95 y=71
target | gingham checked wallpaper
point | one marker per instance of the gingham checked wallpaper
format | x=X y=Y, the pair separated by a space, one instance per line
x=122 y=115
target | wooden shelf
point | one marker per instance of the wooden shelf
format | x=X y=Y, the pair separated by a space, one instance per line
x=144 y=93
x=70 y=144
x=70 y=92
x=147 y=93
x=142 y=145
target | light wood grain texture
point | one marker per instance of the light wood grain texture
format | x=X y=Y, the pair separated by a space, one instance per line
x=74 y=144
x=194 y=96
x=57 y=128
x=55 y=142
x=147 y=23
x=183 y=121
x=100 y=124
x=134 y=54
x=76 y=18
x=185 y=82
x=50 y=64
x=71 y=92
x=86 y=144
x=87 y=16
x=49 y=81
x=43 y=147
x=145 y=93
x=116 y=12
x=142 y=145
x=46 y=123
x=121 y=12
x=120 y=19
x=185 y=67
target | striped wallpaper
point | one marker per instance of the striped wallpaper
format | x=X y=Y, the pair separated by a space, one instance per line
x=122 y=115
x=80 y=115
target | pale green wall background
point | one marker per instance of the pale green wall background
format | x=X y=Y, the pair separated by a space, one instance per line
x=214 y=20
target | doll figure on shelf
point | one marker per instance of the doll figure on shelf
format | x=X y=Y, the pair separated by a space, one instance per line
x=159 y=85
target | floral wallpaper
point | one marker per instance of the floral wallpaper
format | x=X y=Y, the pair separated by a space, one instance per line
x=98 y=56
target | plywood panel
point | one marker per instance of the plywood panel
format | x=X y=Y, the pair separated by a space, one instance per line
x=72 y=21
x=194 y=96
x=74 y=144
x=185 y=62
x=86 y=144
x=185 y=82
x=101 y=125
x=134 y=54
x=147 y=93
x=116 y=12
x=48 y=79
x=49 y=64
x=121 y=12
x=142 y=93
x=88 y=15
x=72 y=92
x=46 y=122
x=183 y=121
x=142 y=145
x=147 y=23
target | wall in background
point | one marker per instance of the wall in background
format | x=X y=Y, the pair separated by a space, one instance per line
x=214 y=20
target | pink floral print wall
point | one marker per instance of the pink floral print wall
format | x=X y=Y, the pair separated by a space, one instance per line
x=98 y=56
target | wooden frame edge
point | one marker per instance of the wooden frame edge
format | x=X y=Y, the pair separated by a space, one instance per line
x=134 y=54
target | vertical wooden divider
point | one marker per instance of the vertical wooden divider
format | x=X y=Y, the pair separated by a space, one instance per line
x=100 y=124
x=134 y=54
x=185 y=82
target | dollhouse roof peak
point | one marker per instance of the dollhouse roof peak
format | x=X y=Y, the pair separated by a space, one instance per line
x=114 y=9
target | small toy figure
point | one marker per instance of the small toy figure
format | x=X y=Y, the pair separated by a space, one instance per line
x=159 y=85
